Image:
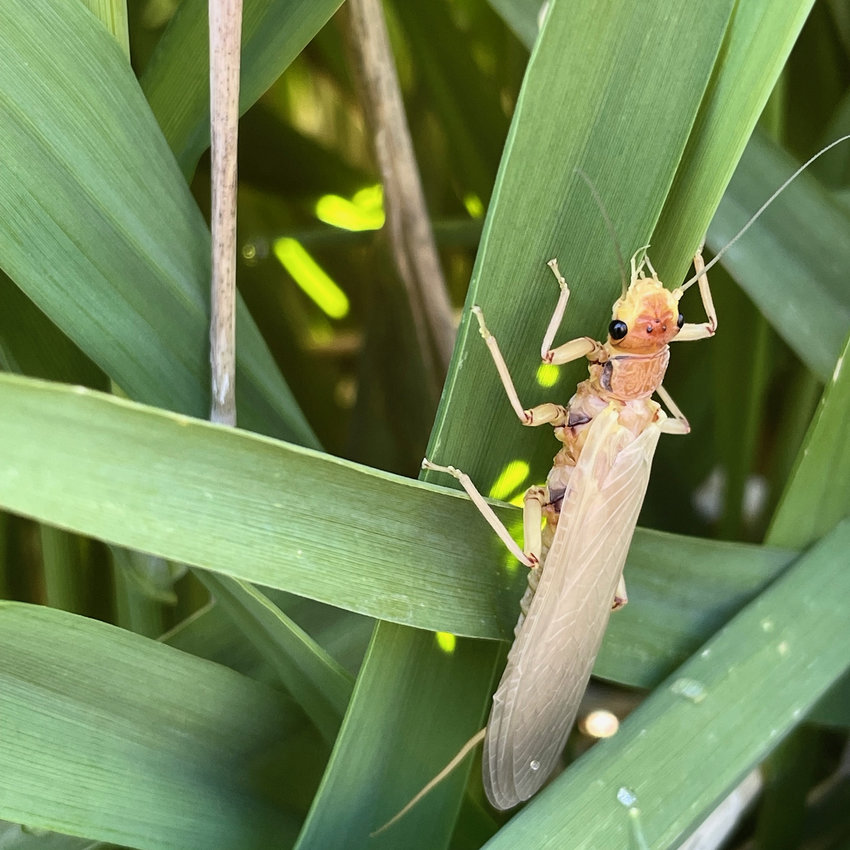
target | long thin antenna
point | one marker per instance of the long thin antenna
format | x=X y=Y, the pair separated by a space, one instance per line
x=762 y=208
x=473 y=742
x=596 y=197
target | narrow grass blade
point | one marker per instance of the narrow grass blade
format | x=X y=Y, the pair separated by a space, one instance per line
x=793 y=260
x=158 y=749
x=757 y=45
x=315 y=681
x=176 y=81
x=65 y=577
x=818 y=492
x=391 y=692
x=715 y=718
x=30 y=344
x=103 y=235
x=521 y=17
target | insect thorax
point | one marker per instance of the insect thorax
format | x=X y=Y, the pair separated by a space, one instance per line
x=631 y=376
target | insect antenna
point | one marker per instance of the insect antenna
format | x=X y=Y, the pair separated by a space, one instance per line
x=761 y=209
x=596 y=197
x=464 y=751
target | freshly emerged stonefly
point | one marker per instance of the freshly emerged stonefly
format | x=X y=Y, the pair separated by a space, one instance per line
x=588 y=511
x=578 y=527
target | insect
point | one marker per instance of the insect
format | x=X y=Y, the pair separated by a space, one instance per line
x=578 y=527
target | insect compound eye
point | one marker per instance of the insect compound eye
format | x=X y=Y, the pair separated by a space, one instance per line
x=680 y=321
x=618 y=329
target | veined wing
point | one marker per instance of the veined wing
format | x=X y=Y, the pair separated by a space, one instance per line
x=551 y=659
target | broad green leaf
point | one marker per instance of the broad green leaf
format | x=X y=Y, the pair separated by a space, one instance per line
x=176 y=80
x=412 y=553
x=721 y=713
x=98 y=228
x=758 y=41
x=792 y=262
x=543 y=209
x=584 y=103
x=818 y=495
x=114 y=737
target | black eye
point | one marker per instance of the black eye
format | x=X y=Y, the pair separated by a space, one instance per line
x=680 y=321
x=618 y=329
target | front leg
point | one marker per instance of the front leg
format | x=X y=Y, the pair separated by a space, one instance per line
x=553 y=414
x=698 y=330
x=575 y=349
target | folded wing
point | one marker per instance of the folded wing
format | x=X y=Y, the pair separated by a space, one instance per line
x=552 y=657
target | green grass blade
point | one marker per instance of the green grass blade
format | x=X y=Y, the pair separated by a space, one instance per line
x=750 y=686
x=158 y=749
x=792 y=261
x=113 y=15
x=317 y=683
x=65 y=576
x=31 y=344
x=393 y=694
x=176 y=80
x=818 y=492
x=122 y=259
x=13 y=836
x=543 y=209
x=411 y=552
x=758 y=41
x=143 y=587
x=521 y=17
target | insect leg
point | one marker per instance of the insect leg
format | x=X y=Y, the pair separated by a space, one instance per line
x=679 y=423
x=699 y=330
x=569 y=351
x=621 y=598
x=530 y=558
x=532 y=520
x=540 y=415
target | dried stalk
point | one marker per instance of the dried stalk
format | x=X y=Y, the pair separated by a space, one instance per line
x=410 y=235
x=225 y=44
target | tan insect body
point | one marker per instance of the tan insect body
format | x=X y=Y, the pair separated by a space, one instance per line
x=590 y=504
x=593 y=494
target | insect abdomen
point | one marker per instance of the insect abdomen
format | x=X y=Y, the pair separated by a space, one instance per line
x=553 y=654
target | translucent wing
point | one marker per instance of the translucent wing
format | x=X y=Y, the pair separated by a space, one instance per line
x=551 y=659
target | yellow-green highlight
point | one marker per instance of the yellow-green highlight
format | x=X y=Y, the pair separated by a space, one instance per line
x=512 y=477
x=547 y=375
x=473 y=205
x=311 y=277
x=446 y=641
x=365 y=210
